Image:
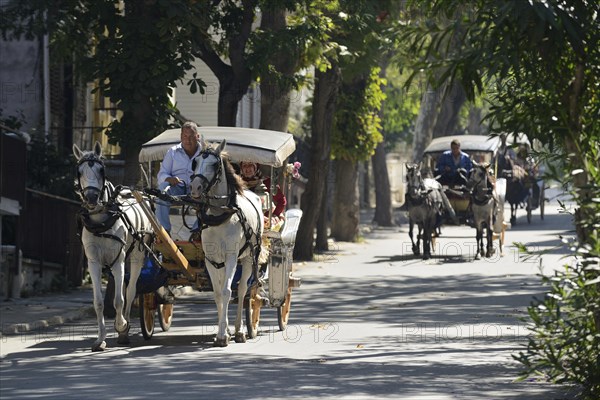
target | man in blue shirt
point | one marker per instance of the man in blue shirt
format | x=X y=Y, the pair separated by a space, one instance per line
x=449 y=163
x=176 y=169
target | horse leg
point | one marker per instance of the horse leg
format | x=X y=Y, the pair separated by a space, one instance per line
x=478 y=240
x=95 y=270
x=513 y=214
x=415 y=247
x=218 y=278
x=222 y=297
x=121 y=325
x=490 y=238
x=426 y=243
x=135 y=264
x=419 y=237
x=242 y=289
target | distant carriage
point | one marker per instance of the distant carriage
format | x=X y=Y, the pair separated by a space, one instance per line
x=524 y=189
x=482 y=150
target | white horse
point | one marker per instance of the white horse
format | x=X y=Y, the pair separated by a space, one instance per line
x=483 y=204
x=114 y=229
x=234 y=226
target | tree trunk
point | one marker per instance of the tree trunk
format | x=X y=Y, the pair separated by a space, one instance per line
x=449 y=110
x=325 y=95
x=234 y=78
x=426 y=120
x=381 y=180
x=383 y=194
x=346 y=210
x=321 y=243
x=131 y=149
x=229 y=98
x=474 y=127
x=275 y=97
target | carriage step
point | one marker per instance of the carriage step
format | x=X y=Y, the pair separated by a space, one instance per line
x=294 y=282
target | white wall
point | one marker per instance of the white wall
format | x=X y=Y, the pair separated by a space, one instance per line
x=200 y=108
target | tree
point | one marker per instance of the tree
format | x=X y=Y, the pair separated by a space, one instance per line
x=224 y=47
x=356 y=134
x=324 y=102
x=134 y=51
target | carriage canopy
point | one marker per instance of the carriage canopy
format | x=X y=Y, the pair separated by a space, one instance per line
x=243 y=144
x=480 y=148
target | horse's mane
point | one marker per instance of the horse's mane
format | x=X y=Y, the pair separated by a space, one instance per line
x=233 y=178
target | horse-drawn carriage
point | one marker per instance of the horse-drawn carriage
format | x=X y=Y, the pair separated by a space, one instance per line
x=205 y=262
x=483 y=191
x=525 y=188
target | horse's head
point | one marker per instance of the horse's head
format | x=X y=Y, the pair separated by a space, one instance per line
x=208 y=168
x=414 y=180
x=90 y=183
x=478 y=176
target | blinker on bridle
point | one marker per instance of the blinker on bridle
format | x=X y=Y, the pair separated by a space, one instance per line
x=215 y=179
x=91 y=160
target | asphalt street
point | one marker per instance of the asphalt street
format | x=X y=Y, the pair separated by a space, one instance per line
x=369 y=321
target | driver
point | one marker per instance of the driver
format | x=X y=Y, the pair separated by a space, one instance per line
x=449 y=164
x=176 y=169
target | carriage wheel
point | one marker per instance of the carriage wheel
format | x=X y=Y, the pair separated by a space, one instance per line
x=253 y=312
x=542 y=199
x=283 y=311
x=529 y=206
x=165 y=316
x=147 y=313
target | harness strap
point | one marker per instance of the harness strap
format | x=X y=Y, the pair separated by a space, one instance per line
x=248 y=233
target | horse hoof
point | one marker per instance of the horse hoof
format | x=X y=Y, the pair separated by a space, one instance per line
x=124 y=330
x=426 y=256
x=123 y=338
x=99 y=346
x=221 y=342
x=240 y=337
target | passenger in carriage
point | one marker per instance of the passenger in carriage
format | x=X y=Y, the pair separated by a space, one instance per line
x=449 y=164
x=256 y=182
x=176 y=169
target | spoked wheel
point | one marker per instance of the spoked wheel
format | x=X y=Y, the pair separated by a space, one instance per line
x=283 y=311
x=147 y=314
x=165 y=316
x=529 y=207
x=253 y=312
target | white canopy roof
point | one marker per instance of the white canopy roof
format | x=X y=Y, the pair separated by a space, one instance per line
x=467 y=143
x=243 y=144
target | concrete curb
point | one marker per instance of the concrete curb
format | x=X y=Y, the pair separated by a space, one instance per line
x=56 y=320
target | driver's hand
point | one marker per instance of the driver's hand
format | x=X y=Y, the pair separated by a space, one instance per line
x=173 y=180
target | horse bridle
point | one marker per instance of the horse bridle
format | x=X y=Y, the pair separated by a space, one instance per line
x=418 y=188
x=475 y=185
x=91 y=160
x=215 y=179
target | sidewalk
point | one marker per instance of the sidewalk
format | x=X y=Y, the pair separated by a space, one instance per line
x=34 y=313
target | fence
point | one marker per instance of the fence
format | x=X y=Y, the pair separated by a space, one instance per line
x=48 y=233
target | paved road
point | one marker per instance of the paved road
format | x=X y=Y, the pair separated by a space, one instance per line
x=370 y=321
